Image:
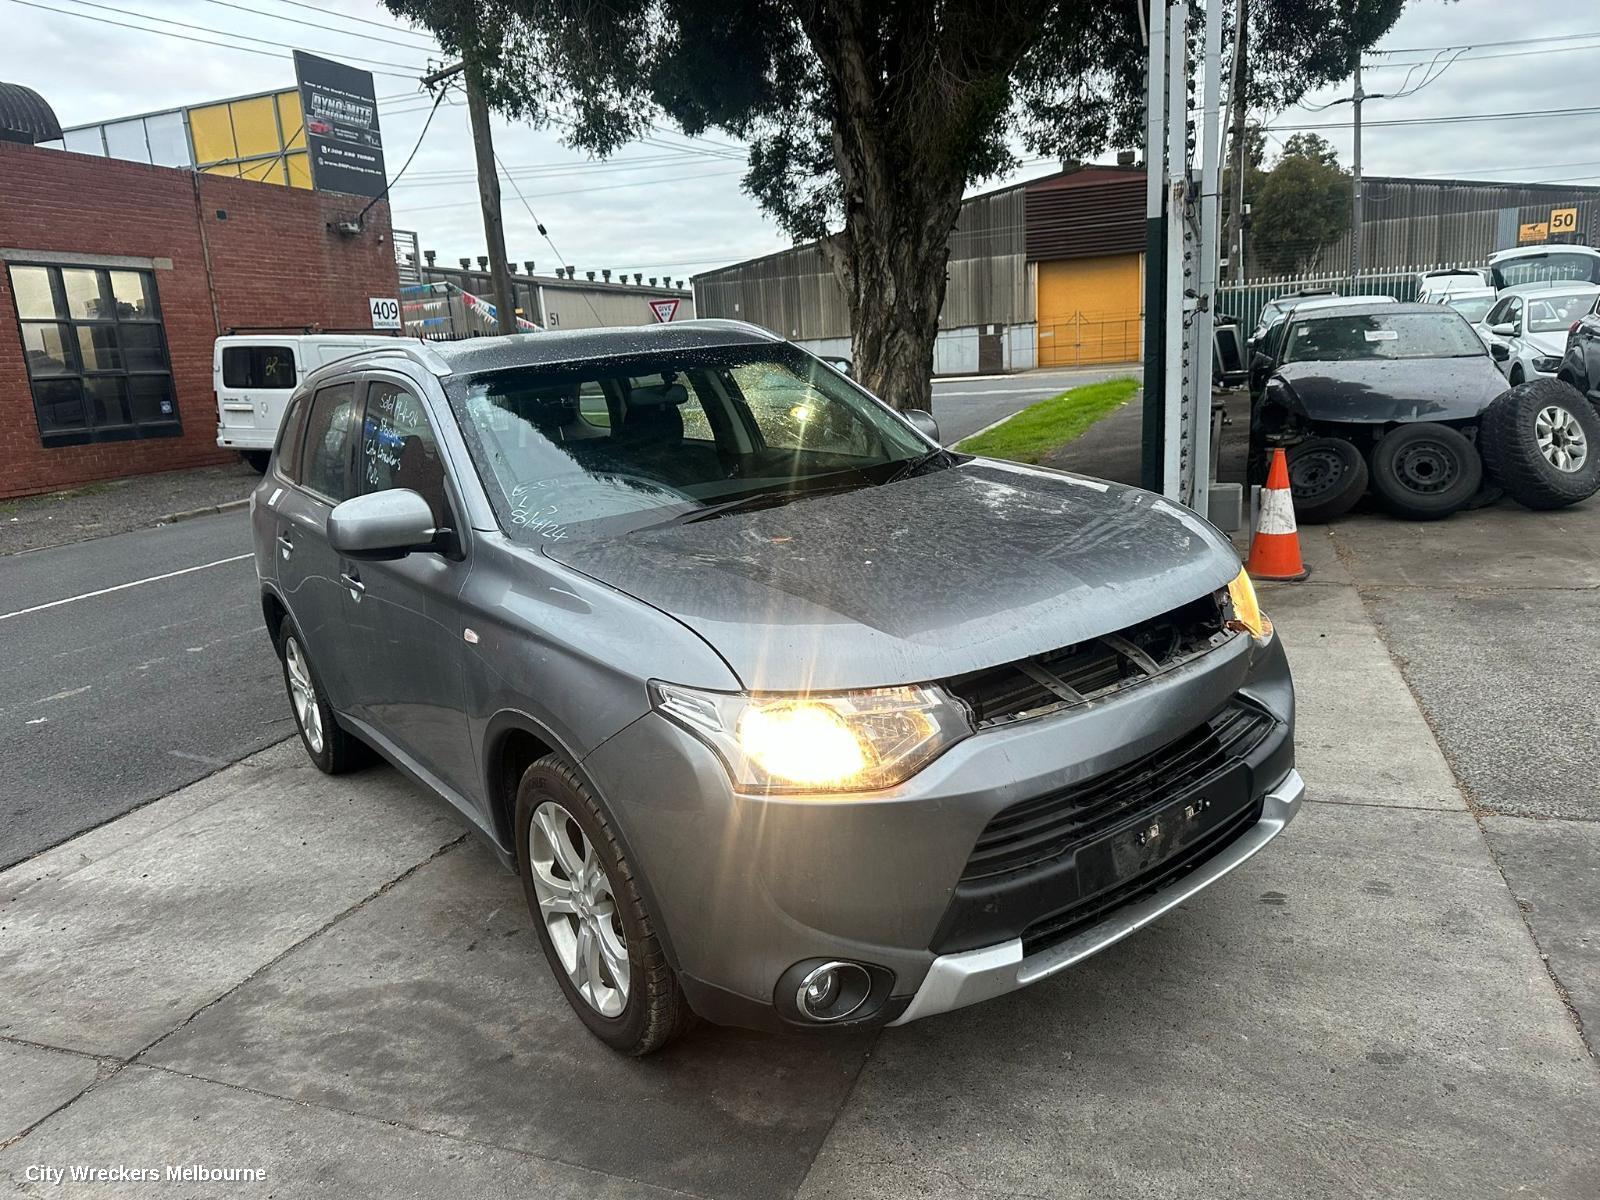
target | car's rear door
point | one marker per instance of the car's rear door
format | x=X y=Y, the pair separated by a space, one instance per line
x=406 y=621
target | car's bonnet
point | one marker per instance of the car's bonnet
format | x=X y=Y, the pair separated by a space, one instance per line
x=929 y=577
x=1384 y=390
x=1552 y=344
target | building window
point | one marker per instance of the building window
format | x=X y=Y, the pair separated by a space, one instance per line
x=96 y=354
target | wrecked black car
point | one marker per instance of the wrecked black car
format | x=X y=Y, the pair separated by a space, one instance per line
x=1406 y=399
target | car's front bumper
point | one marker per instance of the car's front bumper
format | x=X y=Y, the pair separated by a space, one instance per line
x=745 y=887
x=957 y=980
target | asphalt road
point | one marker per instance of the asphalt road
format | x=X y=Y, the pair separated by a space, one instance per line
x=114 y=699
x=964 y=406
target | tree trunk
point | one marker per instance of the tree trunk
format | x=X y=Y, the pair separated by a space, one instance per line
x=1241 y=86
x=891 y=259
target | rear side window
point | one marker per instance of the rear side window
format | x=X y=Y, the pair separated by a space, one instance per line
x=258 y=367
x=326 y=452
x=290 y=437
x=398 y=449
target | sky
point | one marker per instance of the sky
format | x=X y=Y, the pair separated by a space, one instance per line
x=674 y=208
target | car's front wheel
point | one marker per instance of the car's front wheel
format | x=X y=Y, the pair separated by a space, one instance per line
x=329 y=747
x=597 y=934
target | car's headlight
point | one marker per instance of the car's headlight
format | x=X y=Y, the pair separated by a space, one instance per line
x=1247 y=612
x=819 y=742
x=1549 y=365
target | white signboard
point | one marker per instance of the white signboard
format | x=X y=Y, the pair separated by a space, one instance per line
x=385 y=312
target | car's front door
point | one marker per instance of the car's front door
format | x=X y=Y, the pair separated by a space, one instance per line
x=405 y=677
x=308 y=569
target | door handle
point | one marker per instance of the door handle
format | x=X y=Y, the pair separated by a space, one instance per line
x=285 y=545
x=352 y=581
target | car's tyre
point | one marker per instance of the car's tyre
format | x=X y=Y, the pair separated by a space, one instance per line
x=1425 y=471
x=328 y=745
x=597 y=934
x=257 y=460
x=1327 y=475
x=1541 y=442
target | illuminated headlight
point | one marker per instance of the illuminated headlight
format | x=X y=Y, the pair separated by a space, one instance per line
x=819 y=742
x=1247 y=612
x=1546 y=364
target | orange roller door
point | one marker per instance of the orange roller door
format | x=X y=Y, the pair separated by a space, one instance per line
x=1089 y=311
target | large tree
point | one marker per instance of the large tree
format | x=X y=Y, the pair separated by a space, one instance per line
x=866 y=119
x=1301 y=206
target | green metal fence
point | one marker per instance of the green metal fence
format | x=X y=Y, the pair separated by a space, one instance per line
x=1245 y=301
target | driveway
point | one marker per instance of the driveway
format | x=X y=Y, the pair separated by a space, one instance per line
x=330 y=982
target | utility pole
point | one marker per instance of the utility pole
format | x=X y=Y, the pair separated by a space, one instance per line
x=494 y=233
x=1355 y=174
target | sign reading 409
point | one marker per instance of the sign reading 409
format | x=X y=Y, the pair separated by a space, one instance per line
x=385 y=312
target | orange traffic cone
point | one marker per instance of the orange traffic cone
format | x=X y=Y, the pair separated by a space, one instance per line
x=1275 y=549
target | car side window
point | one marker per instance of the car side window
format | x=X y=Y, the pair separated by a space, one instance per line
x=326 y=453
x=398 y=449
x=290 y=436
x=1514 y=314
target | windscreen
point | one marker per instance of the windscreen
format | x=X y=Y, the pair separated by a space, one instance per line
x=1444 y=334
x=1555 y=314
x=1474 y=308
x=597 y=450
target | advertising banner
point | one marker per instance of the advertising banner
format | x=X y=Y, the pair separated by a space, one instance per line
x=341 y=117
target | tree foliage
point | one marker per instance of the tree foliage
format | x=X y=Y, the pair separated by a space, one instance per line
x=866 y=120
x=1301 y=206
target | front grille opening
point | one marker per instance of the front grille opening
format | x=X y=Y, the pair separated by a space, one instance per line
x=1076 y=674
x=1054 y=930
x=1045 y=827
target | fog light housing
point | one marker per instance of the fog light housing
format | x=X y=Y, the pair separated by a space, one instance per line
x=833 y=991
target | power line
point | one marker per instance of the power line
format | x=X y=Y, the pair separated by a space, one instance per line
x=610 y=187
x=1559 y=37
x=554 y=170
x=371 y=37
x=539 y=225
x=1463 y=119
x=437 y=100
x=322 y=10
x=186 y=37
x=1389 y=66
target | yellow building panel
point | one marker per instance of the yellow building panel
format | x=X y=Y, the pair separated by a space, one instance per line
x=211 y=127
x=264 y=170
x=299 y=170
x=1090 y=310
x=231 y=170
x=292 y=121
x=255 y=127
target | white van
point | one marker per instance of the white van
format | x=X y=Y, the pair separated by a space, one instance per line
x=254 y=373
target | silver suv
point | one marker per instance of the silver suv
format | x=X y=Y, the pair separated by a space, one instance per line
x=785 y=715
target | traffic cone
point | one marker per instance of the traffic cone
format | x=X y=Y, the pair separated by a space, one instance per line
x=1275 y=549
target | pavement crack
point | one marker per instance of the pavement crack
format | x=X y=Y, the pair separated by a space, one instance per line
x=383 y=890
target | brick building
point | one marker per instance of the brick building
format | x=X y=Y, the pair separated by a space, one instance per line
x=115 y=277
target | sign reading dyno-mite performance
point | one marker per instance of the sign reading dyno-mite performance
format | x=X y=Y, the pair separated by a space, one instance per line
x=341 y=116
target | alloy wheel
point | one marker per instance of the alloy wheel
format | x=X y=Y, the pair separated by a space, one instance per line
x=579 y=909
x=1561 y=439
x=302 y=695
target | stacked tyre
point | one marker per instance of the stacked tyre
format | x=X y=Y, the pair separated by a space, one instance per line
x=1541 y=442
x=1537 y=442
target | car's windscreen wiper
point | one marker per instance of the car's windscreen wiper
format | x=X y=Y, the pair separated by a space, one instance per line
x=754 y=501
x=912 y=466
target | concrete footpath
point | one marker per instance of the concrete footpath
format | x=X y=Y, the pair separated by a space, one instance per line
x=329 y=982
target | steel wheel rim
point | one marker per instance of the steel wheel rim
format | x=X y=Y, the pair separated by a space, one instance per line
x=1316 y=473
x=302 y=695
x=1561 y=439
x=1426 y=468
x=579 y=909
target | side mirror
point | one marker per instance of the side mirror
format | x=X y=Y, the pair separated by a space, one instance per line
x=923 y=420
x=387 y=524
x=1260 y=367
x=1501 y=353
x=1503 y=329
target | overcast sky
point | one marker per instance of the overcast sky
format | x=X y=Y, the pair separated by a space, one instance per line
x=678 y=209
